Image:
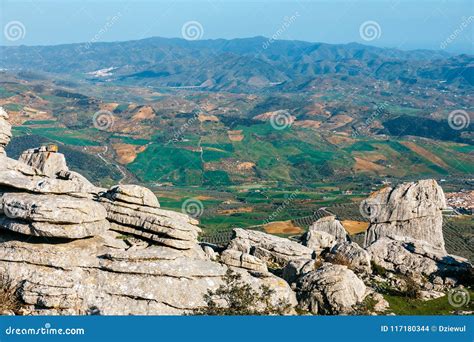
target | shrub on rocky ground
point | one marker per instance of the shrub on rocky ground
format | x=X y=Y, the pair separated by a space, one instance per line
x=235 y=297
x=9 y=302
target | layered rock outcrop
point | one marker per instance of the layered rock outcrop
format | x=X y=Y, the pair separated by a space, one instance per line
x=411 y=210
x=46 y=160
x=331 y=289
x=269 y=248
x=350 y=253
x=5 y=130
x=405 y=236
x=417 y=259
x=132 y=209
x=324 y=233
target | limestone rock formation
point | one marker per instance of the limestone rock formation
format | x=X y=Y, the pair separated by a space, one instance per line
x=51 y=208
x=356 y=257
x=165 y=227
x=416 y=258
x=330 y=225
x=134 y=194
x=409 y=210
x=18 y=175
x=331 y=289
x=45 y=160
x=239 y=259
x=36 y=204
x=269 y=248
x=318 y=240
x=5 y=130
x=297 y=268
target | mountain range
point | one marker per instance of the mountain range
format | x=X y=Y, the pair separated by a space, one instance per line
x=238 y=65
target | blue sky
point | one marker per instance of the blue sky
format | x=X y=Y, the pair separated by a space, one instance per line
x=399 y=23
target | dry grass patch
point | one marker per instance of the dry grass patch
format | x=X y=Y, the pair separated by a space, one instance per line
x=282 y=227
x=127 y=153
x=355 y=227
x=363 y=165
x=235 y=211
x=9 y=301
x=235 y=135
x=425 y=153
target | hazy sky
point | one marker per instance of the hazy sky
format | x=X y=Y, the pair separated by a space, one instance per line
x=389 y=23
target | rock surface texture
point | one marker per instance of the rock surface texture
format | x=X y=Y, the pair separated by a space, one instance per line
x=317 y=236
x=416 y=258
x=269 y=248
x=5 y=130
x=331 y=289
x=351 y=253
x=409 y=210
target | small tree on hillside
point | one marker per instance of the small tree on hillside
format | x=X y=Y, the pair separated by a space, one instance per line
x=236 y=297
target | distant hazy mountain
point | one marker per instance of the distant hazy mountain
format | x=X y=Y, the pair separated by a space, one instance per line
x=237 y=65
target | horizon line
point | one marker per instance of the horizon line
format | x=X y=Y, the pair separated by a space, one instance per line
x=236 y=38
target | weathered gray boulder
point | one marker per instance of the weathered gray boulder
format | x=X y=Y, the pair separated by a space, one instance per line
x=5 y=130
x=297 y=268
x=17 y=175
x=161 y=226
x=55 y=230
x=269 y=248
x=331 y=289
x=356 y=257
x=319 y=240
x=46 y=160
x=210 y=253
x=416 y=258
x=409 y=210
x=330 y=225
x=133 y=194
x=51 y=208
x=239 y=259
